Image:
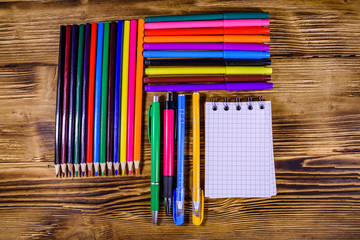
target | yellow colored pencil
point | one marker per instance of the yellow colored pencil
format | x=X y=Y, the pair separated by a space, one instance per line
x=124 y=95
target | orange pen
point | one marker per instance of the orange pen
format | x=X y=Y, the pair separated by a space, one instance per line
x=207 y=31
x=222 y=38
x=138 y=95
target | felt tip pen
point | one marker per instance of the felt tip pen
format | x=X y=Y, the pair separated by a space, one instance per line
x=207 y=46
x=208 y=79
x=207 y=31
x=207 y=62
x=179 y=192
x=209 y=24
x=211 y=16
x=227 y=54
x=244 y=86
x=208 y=39
x=168 y=151
x=153 y=121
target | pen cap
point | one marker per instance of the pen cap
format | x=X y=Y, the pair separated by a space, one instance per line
x=246 y=15
x=234 y=70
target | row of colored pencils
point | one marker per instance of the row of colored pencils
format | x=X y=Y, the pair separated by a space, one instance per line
x=99 y=98
x=207 y=48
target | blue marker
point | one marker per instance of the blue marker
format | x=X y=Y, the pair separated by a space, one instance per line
x=97 y=105
x=226 y=54
x=179 y=193
x=117 y=96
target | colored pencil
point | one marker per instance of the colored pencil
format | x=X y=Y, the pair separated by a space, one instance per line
x=84 y=105
x=64 y=121
x=207 y=31
x=73 y=61
x=207 y=46
x=138 y=95
x=59 y=93
x=231 y=70
x=227 y=54
x=117 y=95
x=97 y=102
x=131 y=97
x=90 y=122
x=124 y=95
x=208 y=39
x=78 y=96
x=195 y=79
x=209 y=24
x=214 y=16
x=207 y=62
x=110 y=106
x=244 y=86
x=104 y=97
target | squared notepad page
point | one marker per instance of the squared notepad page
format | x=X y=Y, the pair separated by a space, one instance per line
x=239 y=158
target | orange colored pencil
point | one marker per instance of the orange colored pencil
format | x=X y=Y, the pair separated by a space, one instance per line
x=207 y=31
x=138 y=95
x=222 y=38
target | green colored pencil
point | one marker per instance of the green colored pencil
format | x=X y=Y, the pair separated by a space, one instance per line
x=104 y=90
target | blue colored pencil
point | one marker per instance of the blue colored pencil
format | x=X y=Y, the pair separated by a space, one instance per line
x=117 y=96
x=97 y=105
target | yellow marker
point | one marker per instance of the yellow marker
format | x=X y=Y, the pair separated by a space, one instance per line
x=229 y=70
x=124 y=95
x=197 y=193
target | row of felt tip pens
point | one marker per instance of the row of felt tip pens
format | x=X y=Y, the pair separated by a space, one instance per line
x=99 y=98
x=224 y=51
x=174 y=129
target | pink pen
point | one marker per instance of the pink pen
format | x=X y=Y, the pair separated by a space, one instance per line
x=168 y=150
x=131 y=97
x=209 y=24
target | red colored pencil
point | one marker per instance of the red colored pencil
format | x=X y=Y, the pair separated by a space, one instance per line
x=222 y=78
x=90 y=122
x=207 y=31
x=65 y=110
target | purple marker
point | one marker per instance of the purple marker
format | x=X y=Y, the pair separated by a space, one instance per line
x=243 y=86
x=207 y=46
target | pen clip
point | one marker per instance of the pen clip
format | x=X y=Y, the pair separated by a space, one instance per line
x=198 y=220
x=149 y=123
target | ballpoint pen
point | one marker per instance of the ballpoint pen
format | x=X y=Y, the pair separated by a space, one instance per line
x=179 y=193
x=154 y=138
x=168 y=151
x=197 y=193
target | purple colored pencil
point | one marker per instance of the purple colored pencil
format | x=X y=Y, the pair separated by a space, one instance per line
x=243 y=86
x=207 y=46
x=84 y=104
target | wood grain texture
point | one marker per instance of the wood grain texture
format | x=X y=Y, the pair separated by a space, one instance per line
x=315 y=52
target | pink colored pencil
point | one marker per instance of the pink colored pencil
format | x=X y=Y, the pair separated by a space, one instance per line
x=209 y=24
x=131 y=97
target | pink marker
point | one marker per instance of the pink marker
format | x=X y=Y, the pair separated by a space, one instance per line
x=131 y=97
x=168 y=151
x=209 y=24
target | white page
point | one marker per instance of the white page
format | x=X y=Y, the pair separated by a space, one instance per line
x=239 y=159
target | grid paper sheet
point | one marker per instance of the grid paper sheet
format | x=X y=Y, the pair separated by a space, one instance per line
x=239 y=158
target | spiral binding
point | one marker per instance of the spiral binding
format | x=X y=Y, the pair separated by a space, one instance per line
x=250 y=103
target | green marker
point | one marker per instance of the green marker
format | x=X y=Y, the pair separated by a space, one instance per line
x=104 y=90
x=154 y=138
x=78 y=100
x=215 y=16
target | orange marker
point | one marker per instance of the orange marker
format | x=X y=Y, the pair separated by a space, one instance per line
x=222 y=38
x=207 y=31
x=138 y=95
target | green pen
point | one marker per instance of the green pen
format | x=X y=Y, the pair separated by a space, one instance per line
x=154 y=139
x=78 y=95
x=104 y=96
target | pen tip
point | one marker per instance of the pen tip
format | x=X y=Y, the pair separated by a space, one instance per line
x=116 y=172
x=154 y=215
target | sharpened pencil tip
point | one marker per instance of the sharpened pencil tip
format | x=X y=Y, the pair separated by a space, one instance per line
x=122 y=172
x=63 y=174
x=103 y=173
x=57 y=175
x=76 y=173
x=89 y=173
x=116 y=172
x=130 y=172
x=69 y=173
x=83 y=174
x=109 y=172
x=136 y=171
x=96 y=173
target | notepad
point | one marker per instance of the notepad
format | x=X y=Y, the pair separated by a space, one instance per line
x=239 y=158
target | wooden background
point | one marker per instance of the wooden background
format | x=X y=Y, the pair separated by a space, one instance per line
x=315 y=51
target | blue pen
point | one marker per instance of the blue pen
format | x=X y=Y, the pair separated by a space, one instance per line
x=226 y=54
x=117 y=96
x=97 y=105
x=179 y=193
